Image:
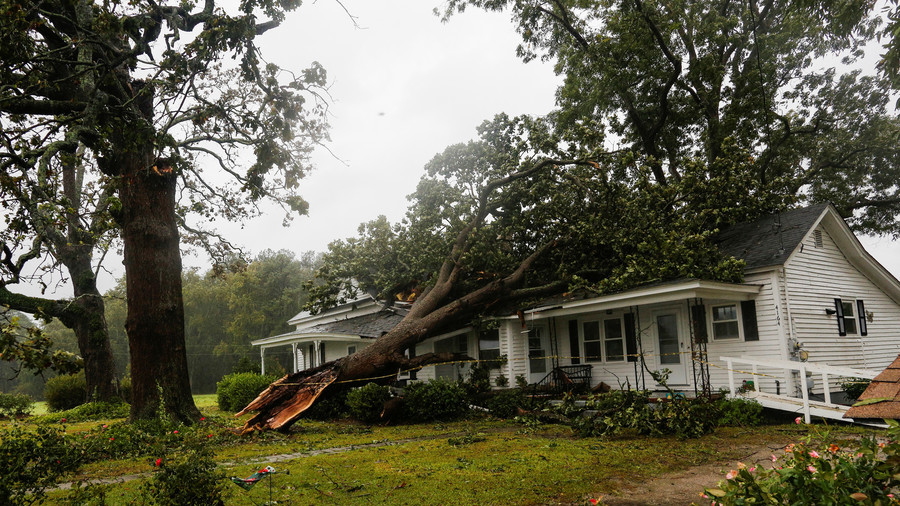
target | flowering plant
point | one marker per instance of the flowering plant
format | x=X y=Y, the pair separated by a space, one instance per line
x=867 y=474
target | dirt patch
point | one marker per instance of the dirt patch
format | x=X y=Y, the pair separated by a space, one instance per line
x=684 y=487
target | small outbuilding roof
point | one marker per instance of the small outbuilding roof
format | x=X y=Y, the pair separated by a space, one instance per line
x=370 y=326
x=885 y=386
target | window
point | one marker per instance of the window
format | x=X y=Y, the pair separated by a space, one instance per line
x=592 y=342
x=614 y=340
x=489 y=348
x=351 y=349
x=725 y=322
x=846 y=317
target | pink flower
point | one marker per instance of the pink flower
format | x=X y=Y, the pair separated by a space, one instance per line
x=174 y=432
x=774 y=458
x=704 y=496
x=753 y=469
x=797 y=420
x=209 y=435
x=62 y=420
x=731 y=475
x=104 y=425
x=811 y=469
x=814 y=454
x=592 y=501
x=158 y=462
x=112 y=439
x=202 y=418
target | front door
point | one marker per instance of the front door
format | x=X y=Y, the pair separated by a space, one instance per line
x=538 y=354
x=670 y=340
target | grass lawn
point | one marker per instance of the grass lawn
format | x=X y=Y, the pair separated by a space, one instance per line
x=475 y=461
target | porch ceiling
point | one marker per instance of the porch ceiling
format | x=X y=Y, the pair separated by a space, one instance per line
x=674 y=291
x=293 y=337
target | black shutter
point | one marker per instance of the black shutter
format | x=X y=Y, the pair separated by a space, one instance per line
x=748 y=317
x=839 y=312
x=698 y=319
x=861 y=311
x=574 y=349
x=630 y=338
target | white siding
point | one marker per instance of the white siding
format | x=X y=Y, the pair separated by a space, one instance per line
x=514 y=345
x=815 y=277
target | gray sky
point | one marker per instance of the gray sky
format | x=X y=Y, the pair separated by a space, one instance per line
x=404 y=86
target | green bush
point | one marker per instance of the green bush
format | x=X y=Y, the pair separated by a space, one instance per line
x=33 y=461
x=435 y=400
x=504 y=403
x=15 y=405
x=740 y=412
x=125 y=388
x=186 y=478
x=630 y=409
x=65 y=392
x=804 y=476
x=367 y=402
x=235 y=391
x=89 y=411
x=332 y=407
x=854 y=387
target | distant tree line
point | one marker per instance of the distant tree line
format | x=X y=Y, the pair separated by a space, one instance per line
x=226 y=307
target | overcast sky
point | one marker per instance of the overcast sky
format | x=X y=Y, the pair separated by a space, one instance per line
x=404 y=86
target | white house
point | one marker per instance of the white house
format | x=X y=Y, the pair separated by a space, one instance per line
x=810 y=292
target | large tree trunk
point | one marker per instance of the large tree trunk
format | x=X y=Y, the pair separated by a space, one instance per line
x=91 y=331
x=155 y=321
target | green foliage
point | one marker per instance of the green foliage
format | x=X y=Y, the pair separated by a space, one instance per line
x=87 y=412
x=631 y=409
x=435 y=400
x=65 y=392
x=187 y=477
x=501 y=381
x=478 y=381
x=504 y=403
x=739 y=412
x=13 y=405
x=125 y=388
x=521 y=382
x=32 y=461
x=235 y=391
x=332 y=407
x=806 y=476
x=854 y=387
x=29 y=347
x=367 y=402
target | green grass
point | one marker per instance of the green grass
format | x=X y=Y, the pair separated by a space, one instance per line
x=476 y=461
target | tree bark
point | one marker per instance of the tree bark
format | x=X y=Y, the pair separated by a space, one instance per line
x=91 y=330
x=155 y=320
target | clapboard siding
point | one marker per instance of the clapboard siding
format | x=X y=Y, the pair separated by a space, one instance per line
x=815 y=277
x=514 y=345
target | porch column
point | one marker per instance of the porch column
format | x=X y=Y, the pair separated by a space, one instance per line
x=318 y=353
x=262 y=359
x=294 y=355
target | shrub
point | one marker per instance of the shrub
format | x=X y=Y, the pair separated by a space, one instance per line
x=125 y=388
x=478 y=381
x=186 y=478
x=740 y=412
x=367 y=402
x=32 y=461
x=89 y=411
x=503 y=403
x=864 y=475
x=329 y=408
x=435 y=400
x=854 y=387
x=65 y=392
x=630 y=409
x=235 y=391
x=15 y=405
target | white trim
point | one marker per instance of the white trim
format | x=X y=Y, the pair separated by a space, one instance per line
x=666 y=292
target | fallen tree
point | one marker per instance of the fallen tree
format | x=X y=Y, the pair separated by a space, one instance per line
x=490 y=230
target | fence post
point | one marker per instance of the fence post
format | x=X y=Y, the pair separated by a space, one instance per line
x=805 y=388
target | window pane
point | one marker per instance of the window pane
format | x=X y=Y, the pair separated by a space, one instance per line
x=850 y=325
x=613 y=328
x=848 y=309
x=614 y=351
x=726 y=330
x=592 y=351
x=489 y=340
x=723 y=313
x=591 y=331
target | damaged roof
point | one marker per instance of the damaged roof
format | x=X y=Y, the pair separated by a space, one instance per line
x=369 y=326
x=885 y=386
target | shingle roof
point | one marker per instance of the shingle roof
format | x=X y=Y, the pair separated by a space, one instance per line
x=764 y=243
x=885 y=386
x=371 y=325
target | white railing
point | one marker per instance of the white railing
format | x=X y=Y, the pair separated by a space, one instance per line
x=802 y=368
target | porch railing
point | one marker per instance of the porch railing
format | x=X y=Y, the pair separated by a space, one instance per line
x=780 y=401
x=564 y=378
